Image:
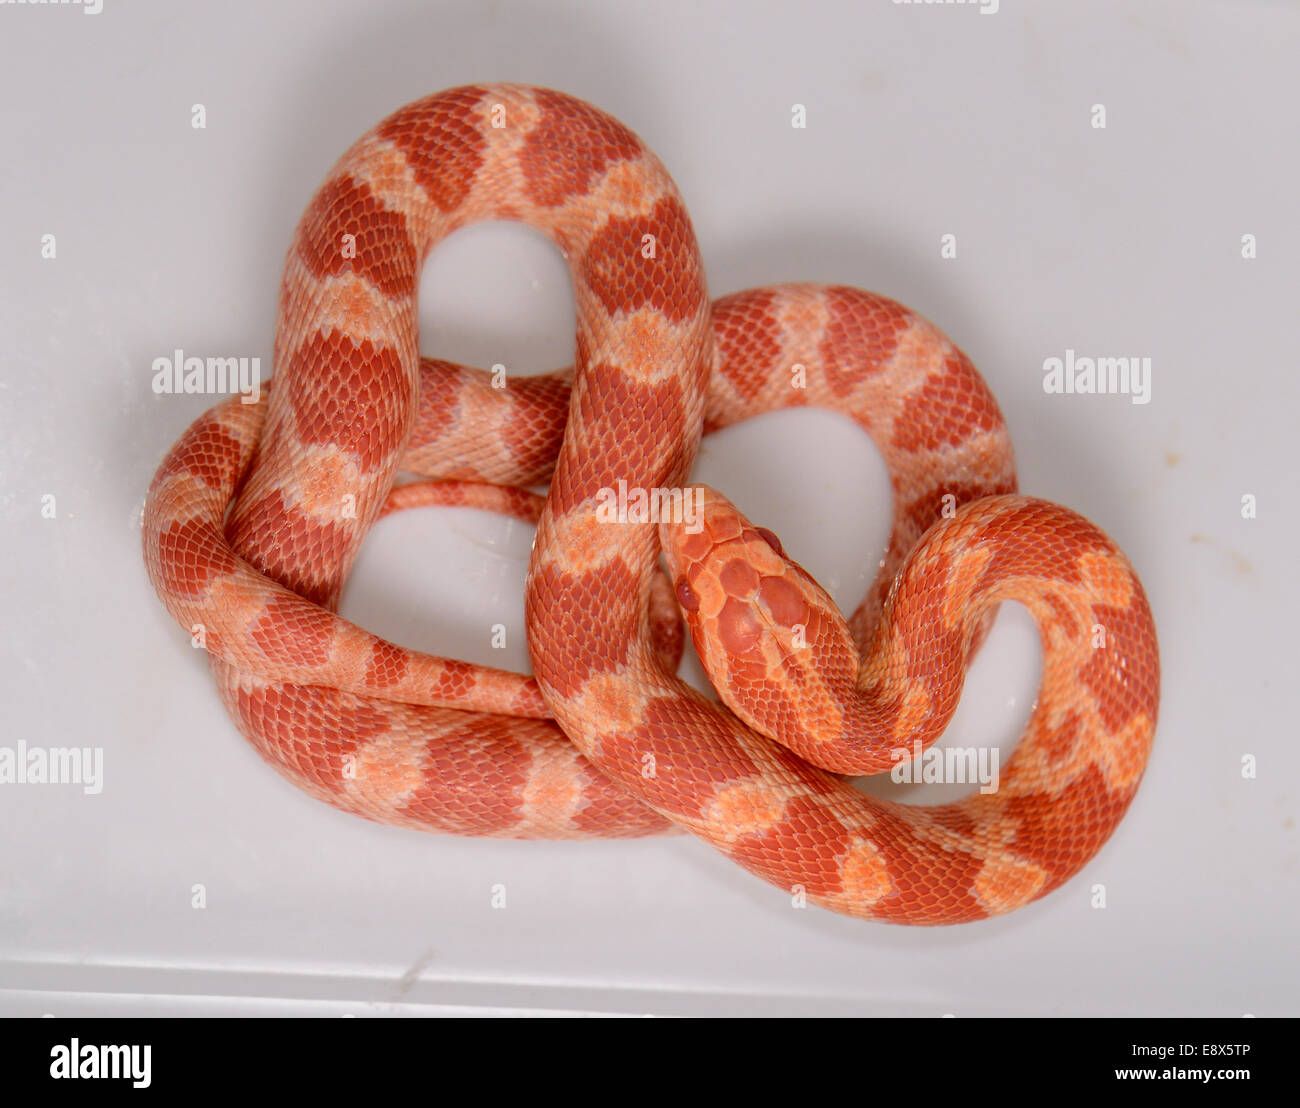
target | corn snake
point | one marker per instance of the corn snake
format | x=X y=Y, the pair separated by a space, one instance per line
x=256 y=515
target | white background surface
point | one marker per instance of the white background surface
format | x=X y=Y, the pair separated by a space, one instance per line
x=922 y=120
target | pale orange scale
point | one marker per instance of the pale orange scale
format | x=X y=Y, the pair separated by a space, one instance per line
x=357 y=308
x=967 y=570
x=1123 y=756
x=1108 y=580
x=384 y=766
x=329 y=495
x=819 y=715
x=553 y=793
x=746 y=808
x=1006 y=883
x=652 y=358
x=587 y=537
x=864 y=873
x=387 y=170
x=916 y=707
x=627 y=190
x=607 y=704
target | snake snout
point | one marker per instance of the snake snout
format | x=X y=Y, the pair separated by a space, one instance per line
x=719 y=554
x=707 y=520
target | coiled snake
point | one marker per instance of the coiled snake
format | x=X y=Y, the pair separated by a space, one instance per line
x=254 y=518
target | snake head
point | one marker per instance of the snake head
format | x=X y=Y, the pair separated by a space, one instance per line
x=773 y=643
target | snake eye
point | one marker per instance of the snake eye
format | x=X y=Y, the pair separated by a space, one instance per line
x=771 y=540
x=687 y=597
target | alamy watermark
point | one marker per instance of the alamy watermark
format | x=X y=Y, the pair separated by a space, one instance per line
x=209 y=376
x=637 y=505
x=953 y=765
x=1099 y=376
x=58 y=765
x=986 y=7
x=88 y=7
x=114 y=1062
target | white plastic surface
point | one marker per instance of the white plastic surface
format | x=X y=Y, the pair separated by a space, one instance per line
x=922 y=120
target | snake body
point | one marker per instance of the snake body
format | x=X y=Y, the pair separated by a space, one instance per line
x=256 y=515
